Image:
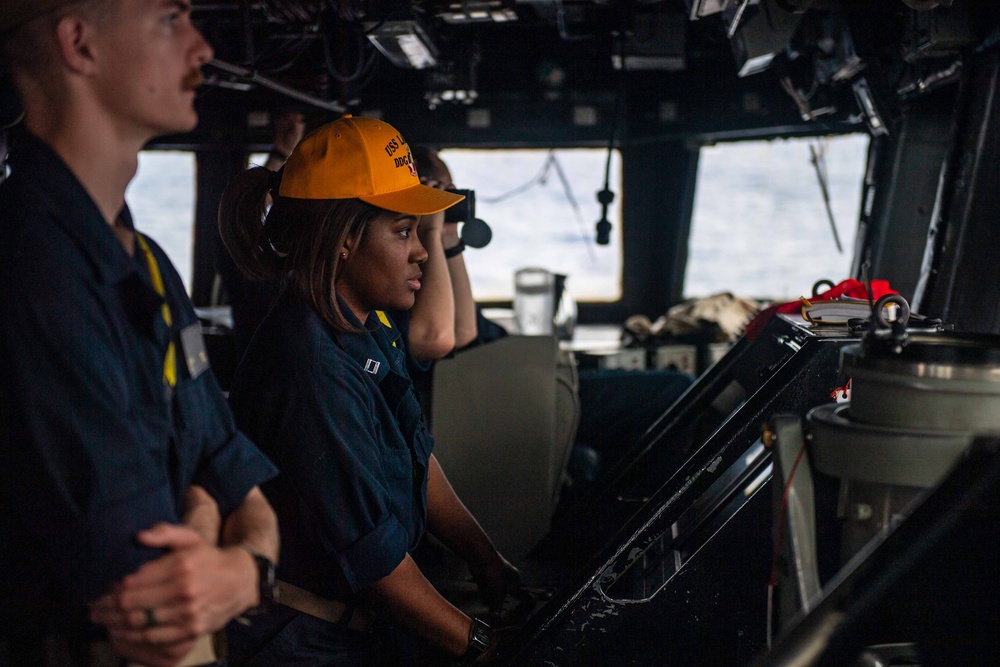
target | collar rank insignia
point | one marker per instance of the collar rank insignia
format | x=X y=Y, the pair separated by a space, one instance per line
x=371 y=366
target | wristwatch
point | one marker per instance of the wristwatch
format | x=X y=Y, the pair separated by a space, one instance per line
x=455 y=250
x=480 y=641
x=267 y=584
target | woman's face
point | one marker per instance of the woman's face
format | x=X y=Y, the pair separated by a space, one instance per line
x=382 y=272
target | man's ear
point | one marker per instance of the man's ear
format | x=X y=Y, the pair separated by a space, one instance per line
x=75 y=42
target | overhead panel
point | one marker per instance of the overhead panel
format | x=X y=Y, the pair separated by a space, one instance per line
x=655 y=42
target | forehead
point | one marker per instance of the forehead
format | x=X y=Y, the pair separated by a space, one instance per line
x=139 y=7
x=392 y=218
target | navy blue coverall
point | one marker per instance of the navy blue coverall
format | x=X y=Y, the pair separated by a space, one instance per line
x=93 y=445
x=338 y=414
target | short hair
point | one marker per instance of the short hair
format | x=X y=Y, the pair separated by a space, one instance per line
x=28 y=47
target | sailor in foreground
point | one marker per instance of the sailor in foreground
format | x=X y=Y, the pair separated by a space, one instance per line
x=130 y=504
x=323 y=389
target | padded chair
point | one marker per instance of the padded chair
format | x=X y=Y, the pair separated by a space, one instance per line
x=504 y=417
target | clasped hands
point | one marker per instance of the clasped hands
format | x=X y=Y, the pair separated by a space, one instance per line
x=154 y=615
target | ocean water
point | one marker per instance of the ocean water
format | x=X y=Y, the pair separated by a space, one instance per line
x=759 y=227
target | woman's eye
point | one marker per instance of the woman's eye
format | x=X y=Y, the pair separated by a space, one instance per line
x=405 y=232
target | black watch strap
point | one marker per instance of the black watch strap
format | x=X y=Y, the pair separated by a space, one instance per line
x=267 y=583
x=480 y=641
x=455 y=250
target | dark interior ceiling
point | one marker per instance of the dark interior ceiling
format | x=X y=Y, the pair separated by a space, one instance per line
x=546 y=72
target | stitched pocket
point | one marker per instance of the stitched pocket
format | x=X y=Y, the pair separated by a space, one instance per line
x=397 y=464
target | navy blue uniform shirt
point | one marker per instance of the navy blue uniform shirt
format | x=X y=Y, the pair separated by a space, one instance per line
x=419 y=370
x=339 y=416
x=92 y=450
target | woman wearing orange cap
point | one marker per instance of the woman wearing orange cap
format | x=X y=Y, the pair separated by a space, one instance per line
x=323 y=390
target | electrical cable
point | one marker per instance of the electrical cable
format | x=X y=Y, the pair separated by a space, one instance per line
x=576 y=207
x=551 y=161
x=364 y=63
x=606 y=196
x=281 y=53
x=285 y=56
x=524 y=187
x=801 y=101
x=295 y=11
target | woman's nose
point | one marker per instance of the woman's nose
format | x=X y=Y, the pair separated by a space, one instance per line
x=418 y=253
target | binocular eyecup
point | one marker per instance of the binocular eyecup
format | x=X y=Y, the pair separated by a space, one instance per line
x=475 y=232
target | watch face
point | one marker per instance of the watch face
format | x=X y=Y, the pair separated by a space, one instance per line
x=480 y=638
x=268 y=580
x=267 y=587
x=480 y=641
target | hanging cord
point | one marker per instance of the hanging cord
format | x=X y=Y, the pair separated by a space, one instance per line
x=537 y=179
x=285 y=54
x=818 y=159
x=293 y=11
x=572 y=202
x=801 y=99
x=364 y=64
x=281 y=58
x=551 y=162
x=606 y=196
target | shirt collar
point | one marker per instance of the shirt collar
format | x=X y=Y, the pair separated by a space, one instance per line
x=61 y=195
x=378 y=351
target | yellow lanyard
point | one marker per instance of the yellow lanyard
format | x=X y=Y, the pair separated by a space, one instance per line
x=384 y=319
x=170 y=361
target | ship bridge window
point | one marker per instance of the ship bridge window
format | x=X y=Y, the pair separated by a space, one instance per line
x=542 y=207
x=161 y=197
x=760 y=226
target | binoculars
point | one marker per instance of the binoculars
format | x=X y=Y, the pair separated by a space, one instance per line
x=464 y=210
x=475 y=232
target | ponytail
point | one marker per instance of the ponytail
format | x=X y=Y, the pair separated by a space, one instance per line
x=297 y=239
x=241 y=224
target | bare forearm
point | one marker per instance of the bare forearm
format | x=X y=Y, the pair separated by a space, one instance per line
x=253 y=526
x=411 y=600
x=451 y=522
x=465 y=305
x=201 y=513
x=432 y=317
x=196 y=586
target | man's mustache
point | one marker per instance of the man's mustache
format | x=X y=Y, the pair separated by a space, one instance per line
x=193 y=79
